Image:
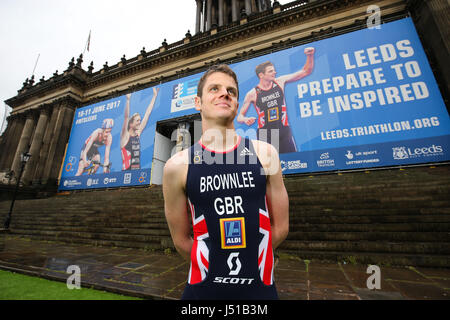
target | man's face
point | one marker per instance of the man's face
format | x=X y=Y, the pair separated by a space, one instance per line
x=219 y=97
x=269 y=73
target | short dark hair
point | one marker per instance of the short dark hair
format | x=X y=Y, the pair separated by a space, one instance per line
x=216 y=68
x=261 y=68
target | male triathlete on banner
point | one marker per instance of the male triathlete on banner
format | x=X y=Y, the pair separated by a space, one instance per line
x=236 y=197
x=90 y=153
x=130 y=137
x=269 y=101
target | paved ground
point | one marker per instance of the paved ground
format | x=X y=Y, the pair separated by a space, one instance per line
x=156 y=275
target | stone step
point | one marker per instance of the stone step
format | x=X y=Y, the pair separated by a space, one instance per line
x=369 y=219
x=379 y=246
x=374 y=227
x=400 y=236
x=380 y=259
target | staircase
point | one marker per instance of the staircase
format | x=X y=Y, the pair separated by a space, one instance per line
x=391 y=217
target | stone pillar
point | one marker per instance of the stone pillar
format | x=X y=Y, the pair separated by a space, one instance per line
x=18 y=121
x=24 y=142
x=198 y=16
x=208 y=15
x=221 y=12
x=248 y=7
x=58 y=143
x=36 y=145
x=46 y=141
x=8 y=136
x=235 y=10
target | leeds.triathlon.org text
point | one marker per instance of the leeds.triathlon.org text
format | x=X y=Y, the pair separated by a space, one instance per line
x=380 y=128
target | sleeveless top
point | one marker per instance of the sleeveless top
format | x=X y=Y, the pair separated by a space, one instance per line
x=271 y=107
x=232 y=256
x=131 y=154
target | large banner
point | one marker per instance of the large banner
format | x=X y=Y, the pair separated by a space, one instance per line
x=358 y=100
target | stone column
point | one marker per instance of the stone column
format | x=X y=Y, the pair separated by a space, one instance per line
x=8 y=136
x=235 y=10
x=36 y=145
x=19 y=122
x=198 y=16
x=208 y=15
x=24 y=142
x=58 y=143
x=46 y=141
x=221 y=11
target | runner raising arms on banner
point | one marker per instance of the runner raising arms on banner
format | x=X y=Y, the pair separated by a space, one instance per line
x=90 y=153
x=236 y=197
x=269 y=101
x=130 y=143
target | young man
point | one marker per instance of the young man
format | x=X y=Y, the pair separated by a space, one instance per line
x=236 y=197
x=130 y=143
x=268 y=99
x=99 y=137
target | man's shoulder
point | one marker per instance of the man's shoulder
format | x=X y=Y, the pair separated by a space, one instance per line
x=177 y=162
x=267 y=155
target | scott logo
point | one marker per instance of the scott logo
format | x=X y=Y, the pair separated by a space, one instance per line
x=236 y=266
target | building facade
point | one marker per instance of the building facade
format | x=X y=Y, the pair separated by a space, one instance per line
x=227 y=31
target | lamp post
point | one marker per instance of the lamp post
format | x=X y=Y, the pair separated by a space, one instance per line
x=24 y=157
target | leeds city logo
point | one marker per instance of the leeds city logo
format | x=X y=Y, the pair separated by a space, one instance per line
x=399 y=153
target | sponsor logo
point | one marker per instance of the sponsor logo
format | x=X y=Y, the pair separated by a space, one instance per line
x=71 y=183
x=109 y=180
x=293 y=165
x=232 y=231
x=400 y=153
x=246 y=152
x=183 y=95
x=325 y=160
x=127 y=178
x=349 y=155
x=234 y=264
x=91 y=182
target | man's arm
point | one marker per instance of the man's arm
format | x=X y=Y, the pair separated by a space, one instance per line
x=149 y=110
x=126 y=116
x=94 y=136
x=277 y=197
x=249 y=98
x=175 y=203
x=306 y=70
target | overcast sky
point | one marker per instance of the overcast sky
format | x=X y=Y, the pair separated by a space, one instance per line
x=57 y=30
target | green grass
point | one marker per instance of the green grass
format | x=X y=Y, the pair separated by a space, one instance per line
x=14 y=286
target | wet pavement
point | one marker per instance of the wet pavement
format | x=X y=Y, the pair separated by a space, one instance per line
x=159 y=275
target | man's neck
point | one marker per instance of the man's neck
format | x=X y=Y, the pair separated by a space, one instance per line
x=219 y=139
x=265 y=84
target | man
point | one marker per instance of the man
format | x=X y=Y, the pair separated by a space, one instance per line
x=130 y=143
x=269 y=101
x=238 y=204
x=90 y=153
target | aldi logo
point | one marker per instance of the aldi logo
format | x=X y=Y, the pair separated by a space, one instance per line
x=232 y=231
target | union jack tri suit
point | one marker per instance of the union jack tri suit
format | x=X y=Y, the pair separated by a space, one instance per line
x=272 y=114
x=131 y=154
x=232 y=256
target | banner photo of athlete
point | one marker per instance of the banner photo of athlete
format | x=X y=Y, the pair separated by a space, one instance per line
x=108 y=145
x=363 y=99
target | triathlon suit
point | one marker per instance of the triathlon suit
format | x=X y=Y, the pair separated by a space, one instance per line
x=272 y=114
x=232 y=256
x=131 y=154
x=93 y=151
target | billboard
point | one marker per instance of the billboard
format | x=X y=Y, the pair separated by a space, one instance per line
x=363 y=99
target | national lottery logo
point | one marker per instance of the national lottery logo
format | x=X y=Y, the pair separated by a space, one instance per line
x=232 y=231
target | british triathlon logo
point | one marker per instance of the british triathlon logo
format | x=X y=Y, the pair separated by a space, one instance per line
x=232 y=232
